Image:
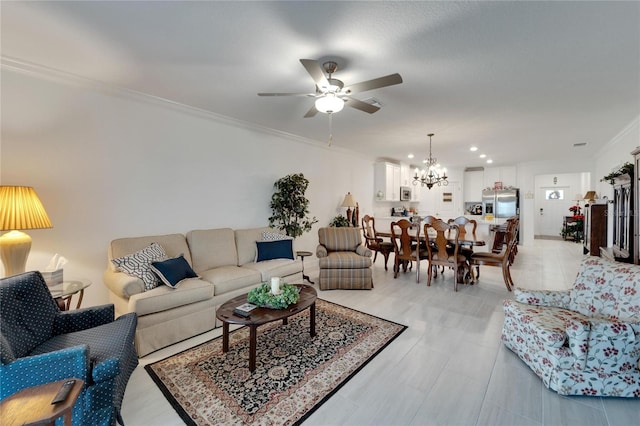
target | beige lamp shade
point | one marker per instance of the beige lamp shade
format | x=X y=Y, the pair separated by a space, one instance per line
x=590 y=196
x=20 y=208
x=348 y=201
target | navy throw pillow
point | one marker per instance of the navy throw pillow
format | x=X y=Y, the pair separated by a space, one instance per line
x=172 y=271
x=281 y=249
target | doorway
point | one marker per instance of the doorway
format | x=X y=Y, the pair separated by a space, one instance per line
x=555 y=194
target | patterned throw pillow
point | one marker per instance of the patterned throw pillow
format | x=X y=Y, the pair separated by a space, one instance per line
x=274 y=236
x=138 y=264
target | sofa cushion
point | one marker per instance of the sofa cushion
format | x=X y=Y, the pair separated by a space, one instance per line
x=138 y=264
x=269 y=250
x=275 y=268
x=228 y=278
x=212 y=248
x=246 y=243
x=344 y=260
x=162 y=298
x=601 y=286
x=172 y=271
x=172 y=244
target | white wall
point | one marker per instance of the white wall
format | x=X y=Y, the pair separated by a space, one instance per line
x=108 y=164
x=610 y=158
x=613 y=154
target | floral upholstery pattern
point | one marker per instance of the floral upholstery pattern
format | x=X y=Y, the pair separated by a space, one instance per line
x=583 y=341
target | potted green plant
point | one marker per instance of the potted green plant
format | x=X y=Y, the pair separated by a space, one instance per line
x=339 y=222
x=290 y=207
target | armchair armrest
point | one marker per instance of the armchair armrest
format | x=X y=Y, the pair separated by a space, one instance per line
x=44 y=368
x=554 y=298
x=81 y=319
x=363 y=251
x=321 y=251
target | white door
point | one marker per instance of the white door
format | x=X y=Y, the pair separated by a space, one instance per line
x=552 y=205
x=448 y=201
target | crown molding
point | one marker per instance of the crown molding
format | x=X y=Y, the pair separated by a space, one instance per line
x=63 y=77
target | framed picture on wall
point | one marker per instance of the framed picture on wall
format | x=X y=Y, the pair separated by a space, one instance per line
x=554 y=194
x=447 y=197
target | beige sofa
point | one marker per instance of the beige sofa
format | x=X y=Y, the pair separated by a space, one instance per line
x=223 y=258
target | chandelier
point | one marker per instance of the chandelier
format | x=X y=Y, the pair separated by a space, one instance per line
x=432 y=174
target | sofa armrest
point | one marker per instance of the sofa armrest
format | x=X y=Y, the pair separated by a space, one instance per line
x=363 y=251
x=554 y=298
x=44 y=368
x=82 y=319
x=321 y=251
x=613 y=346
x=122 y=284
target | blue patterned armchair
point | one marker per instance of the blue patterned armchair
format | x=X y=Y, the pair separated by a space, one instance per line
x=41 y=344
x=584 y=341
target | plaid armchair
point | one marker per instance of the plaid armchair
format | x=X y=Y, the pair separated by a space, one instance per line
x=584 y=341
x=39 y=344
x=344 y=262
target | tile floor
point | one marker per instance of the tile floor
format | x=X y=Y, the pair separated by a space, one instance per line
x=447 y=368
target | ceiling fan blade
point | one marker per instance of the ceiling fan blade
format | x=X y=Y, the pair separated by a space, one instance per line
x=287 y=94
x=312 y=112
x=376 y=83
x=362 y=106
x=315 y=71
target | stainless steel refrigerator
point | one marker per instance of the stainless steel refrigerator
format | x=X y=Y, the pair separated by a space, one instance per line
x=502 y=203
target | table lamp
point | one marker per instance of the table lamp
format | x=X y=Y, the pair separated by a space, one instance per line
x=20 y=208
x=348 y=203
x=590 y=196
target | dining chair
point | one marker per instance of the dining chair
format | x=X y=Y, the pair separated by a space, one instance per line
x=373 y=242
x=503 y=259
x=404 y=246
x=446 y=251
x=463 y=223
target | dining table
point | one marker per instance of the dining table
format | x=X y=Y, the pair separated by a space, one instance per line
x=467 y=238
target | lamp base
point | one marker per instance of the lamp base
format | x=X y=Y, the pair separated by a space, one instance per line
x=14 y=250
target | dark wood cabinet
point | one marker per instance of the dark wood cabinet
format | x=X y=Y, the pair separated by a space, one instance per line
x=595 y=228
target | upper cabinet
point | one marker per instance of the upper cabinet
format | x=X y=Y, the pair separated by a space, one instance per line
x=387 y=181
x=473 y=186
x=506 y=175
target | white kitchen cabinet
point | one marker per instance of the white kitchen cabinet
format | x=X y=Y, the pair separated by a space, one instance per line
x=506 y=175
x=473 y=186
x=386 y=181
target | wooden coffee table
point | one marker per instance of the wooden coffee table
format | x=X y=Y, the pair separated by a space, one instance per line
x=260 y=316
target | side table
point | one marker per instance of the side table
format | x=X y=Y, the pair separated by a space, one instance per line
x=64 y=292
x=33 y=405
x=302 y=255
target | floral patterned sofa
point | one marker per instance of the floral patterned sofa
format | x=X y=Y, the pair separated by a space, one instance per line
x=583 y=341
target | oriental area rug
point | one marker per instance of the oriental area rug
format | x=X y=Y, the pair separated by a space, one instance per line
x=295 y=373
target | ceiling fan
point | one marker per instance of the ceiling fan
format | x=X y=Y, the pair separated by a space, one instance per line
x=331 y=95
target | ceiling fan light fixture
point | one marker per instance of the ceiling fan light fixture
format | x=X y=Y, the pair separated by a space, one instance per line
x=329 y=103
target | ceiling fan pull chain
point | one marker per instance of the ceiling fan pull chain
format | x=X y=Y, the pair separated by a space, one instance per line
x=330 y=129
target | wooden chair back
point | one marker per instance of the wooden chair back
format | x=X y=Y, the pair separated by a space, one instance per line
x=462 y=222
x=444 y=249
x=369 y=232
x=403 y=243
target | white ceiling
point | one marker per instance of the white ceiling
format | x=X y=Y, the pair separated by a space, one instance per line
x=523 y=81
